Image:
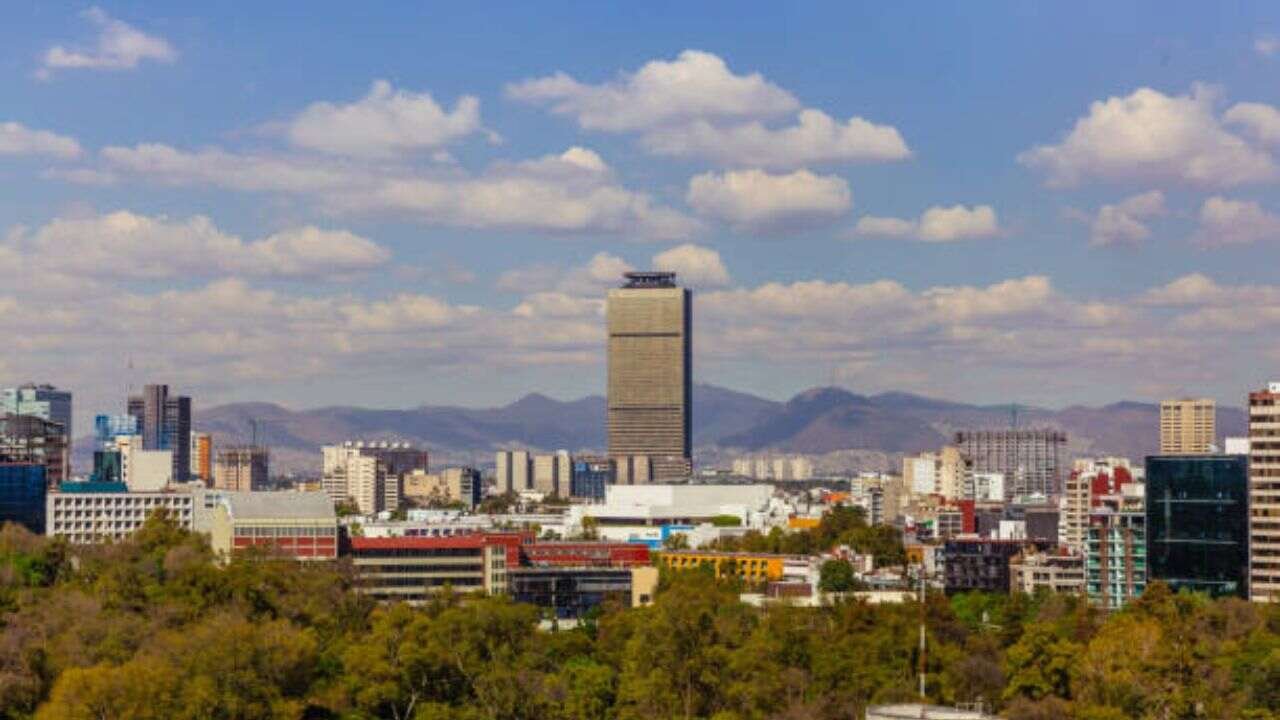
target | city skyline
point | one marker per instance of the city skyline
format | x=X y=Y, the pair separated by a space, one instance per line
x=888 y=205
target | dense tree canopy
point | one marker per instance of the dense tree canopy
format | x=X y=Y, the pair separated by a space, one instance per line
x=154 y=628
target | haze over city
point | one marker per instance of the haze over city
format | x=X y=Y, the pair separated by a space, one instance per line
x=388 y=206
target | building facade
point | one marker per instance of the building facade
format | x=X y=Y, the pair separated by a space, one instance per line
x=1198 y=522
x=370 y=474
x=1187 y=426
x=297 y=525
x=1264 y=494
x=43 y=401
x=553 y=473
x=513 y=471
x=979 y=564
x=32 y=439
x=1030 y=460
x=22 y=495
x=164 y=422
x=411 y=569
x=455 y=485
x=650 y=372
x=84 y=514
x=1032 y=572
x=242 y=468
x=202 y=456
x=1116 y=559
x=591 y=476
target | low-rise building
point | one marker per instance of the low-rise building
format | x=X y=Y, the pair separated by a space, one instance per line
x=979 y=564
x=449 y=486
x=88 y=513
x=569 y=592
x=411 y=569
x=1032 y=571
x=751 y=567
x=298 y=525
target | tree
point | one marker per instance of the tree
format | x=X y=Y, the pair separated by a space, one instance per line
x=836 y=576
x=676 y=541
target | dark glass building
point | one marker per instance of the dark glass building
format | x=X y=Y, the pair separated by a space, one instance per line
x=569 y=592
x=22 y=495
x=1198 y=522
x=590 y=478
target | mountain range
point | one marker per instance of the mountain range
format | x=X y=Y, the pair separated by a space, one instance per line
x=822 y=421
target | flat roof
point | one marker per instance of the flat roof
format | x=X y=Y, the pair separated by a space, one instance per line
x=280 y=505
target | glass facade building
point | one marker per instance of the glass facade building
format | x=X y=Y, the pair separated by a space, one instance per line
x=1198 y=522
x=22 y=495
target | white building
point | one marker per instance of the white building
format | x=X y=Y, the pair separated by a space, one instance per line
x=645 y=513
x=371 y=474
x=1235 y=446
x=96 y=517
x=986 y=487
x=144 y=470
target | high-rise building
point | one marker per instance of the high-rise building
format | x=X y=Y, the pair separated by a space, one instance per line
x=552 y=473
x=164 y=422
x=241 y=469
x=22 y=495
x=1187 y=426
x=1264 y=494
x=32 y=439
x=513 y=471
x=650 y=372
x=43 y=401
x=202 y=456
x=1116 y=548
x=371 y=474
x=1089 y=479
x=1030 y=460
x=1198 y=522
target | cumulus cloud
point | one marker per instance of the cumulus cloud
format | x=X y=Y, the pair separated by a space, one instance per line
x=18 y=139
x=119 y=46
x=759 y=202
x=573 y=192
x=694 y=265
x=1259 y=120
x=1198 y=289
x=1150 y=136
x=696 y=85
x=383 y=123
x=125 y=245
x=815 y=138
x=1122 y=223
x=1233 y=222
x=696 y=107
x=937 y=224
x=1267 y=45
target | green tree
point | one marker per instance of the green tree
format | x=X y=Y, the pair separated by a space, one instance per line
x=836 y=576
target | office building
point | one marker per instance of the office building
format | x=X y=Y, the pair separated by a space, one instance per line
x=370 y=474
x=571 y=592
x=584 y=554
x=591 y=475
x=513 y=471
x=1030 y=460
x=43 y=401
x=202 y=456
x=32 y=439
x=1116 y=548
x=87 y=513
x=411 y=569
x=450 y=486
x=22 y=495
x=632 y=470
x=650 y=369
x=241 y=468
x=1187 y=426
x=164 y=422
x=1264 y=494
x=142 y=470
x=1198 y=522
x=296 y=525
x=552 y=474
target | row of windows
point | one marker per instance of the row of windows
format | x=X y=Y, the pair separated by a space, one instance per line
x=417 y=552
x=373 y=570
x=286 y=531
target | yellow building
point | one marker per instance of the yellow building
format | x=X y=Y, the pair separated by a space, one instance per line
x=752 y=567
x=803 y=523
x=1187 y=426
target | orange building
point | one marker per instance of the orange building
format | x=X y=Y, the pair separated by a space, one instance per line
x=202 y=456
x=753 y=567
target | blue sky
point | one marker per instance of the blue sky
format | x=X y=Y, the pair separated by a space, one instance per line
x=393 y=205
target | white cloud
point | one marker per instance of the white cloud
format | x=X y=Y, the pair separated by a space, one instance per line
x=384 y=123
x=573 y=192
x=120 y=46
x=1267 y=45
x=815 y=138
x=694 y=265
x=125 y=245
x=696 y=85
x=1198 y=289
x=695 y=107
x=1150 y=136
x=18 y=139
x=759 y=202
x=1260 y=121
x=936 y=224
x=1232 y=222
x=1122 y=222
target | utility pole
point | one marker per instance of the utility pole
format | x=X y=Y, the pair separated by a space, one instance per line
x=923 y=648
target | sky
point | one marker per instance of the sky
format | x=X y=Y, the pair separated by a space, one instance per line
x=388 y=205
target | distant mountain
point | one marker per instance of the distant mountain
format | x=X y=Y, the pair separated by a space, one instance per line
x=817 y=421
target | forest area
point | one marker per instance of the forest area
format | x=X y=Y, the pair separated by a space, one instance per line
x=155 y=628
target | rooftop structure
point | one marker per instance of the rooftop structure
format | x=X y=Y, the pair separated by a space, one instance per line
x=649 y=279
x=301 y=525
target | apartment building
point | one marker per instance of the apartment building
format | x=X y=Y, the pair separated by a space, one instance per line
x=1187 y=426
x=88 y=513
x=1264 y=494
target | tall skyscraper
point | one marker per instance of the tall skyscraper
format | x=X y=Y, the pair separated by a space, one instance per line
x=1031 y=460
x=43 y=401
x=164 y=422
x=1198 y=522
x=1264 y=494
x=650 y=372
x=1187 y=426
